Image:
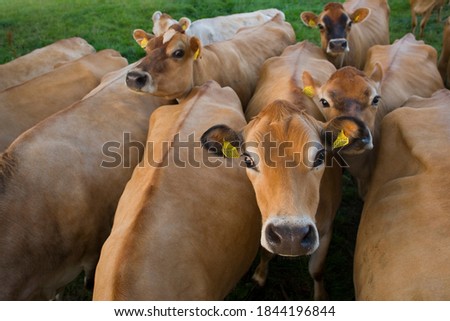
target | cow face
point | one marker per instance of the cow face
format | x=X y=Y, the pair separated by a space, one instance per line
x=286 y=152
x=334 y=24
x=167 y=69
x=348 y=92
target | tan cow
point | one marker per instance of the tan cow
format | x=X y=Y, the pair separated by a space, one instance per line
x=60 y=183
x=403 y=245
x=42 y=60
x=443 y=64
x=424 y=8
x=392 y=74
x=23 y=106
x=175 y=62
x=286 y=151
x=215 y=29
x=348 y=30
x=187 y=225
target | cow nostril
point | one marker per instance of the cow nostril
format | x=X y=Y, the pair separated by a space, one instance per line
x=344 y=44
x=308 y=236
x=273 y=237
x=136 y=80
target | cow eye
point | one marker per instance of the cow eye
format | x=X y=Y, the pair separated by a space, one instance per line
x=376 y=100
x=321 y=26
x=319 y=159
x=249 y=161
x=178 y=53
x=324 y=103
x=350 y=23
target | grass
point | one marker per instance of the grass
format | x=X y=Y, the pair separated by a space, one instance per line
x=29 y=24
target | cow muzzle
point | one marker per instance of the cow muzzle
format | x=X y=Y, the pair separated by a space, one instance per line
x=290 y=236
x=338 y=46
x=139 y=80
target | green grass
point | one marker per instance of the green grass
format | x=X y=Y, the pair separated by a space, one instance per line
x=29 y=24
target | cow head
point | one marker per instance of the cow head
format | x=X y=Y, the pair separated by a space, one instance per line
x=348 y=92
x=334 y=24
x=167 y=69
x=285 y=151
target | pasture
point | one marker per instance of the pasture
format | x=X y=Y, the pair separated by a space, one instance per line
x=26 y=25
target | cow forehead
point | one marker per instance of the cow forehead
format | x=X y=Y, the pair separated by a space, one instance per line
x=349 y=83
x=334 y=12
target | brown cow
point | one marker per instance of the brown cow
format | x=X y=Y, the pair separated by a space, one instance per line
x=23 y=106
x=60 y=183
x=392 y=74
x=187 y=226
x=176 y=62
x=403 y=245
x=348 y=30
x=285 y=151
x=214 y=29
x=42 y=60
x=424 y=8
x=443 y=64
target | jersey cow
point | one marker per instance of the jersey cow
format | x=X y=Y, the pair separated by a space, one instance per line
x=424 y=8
x=42 y=60
x=443 y=64
x=215 y=29
x=284 y=150
x=60 y=183
x=403 y=245
x=348 y=30
x=23 y=106
x=175 y=62
x=392 y=74
x=187 y=226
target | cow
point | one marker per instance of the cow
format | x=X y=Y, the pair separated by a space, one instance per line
x=424 y=8
x=60 y=183
x=175 y=62
x=285 y=150
x=392 y=74
x=42 y=60
x=187 y=224
x=443 y=65
x=215 y=29
x=402 y=247
x=348 y=30
x=24 y=105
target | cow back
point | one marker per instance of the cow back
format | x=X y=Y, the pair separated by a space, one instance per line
x=42 y=60
x=402 y=248
x=188 y=230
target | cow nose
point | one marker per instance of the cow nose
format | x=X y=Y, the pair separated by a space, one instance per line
x=338 y=45
x=291 y=238
x=136 y=79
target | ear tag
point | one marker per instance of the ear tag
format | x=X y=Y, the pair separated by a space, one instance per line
x=309 y=91
x=341 y=140
x=143 y=43
x=311 y=23
x=356 y=19
x=196 y=54
x=229 y=151
x=184 y=27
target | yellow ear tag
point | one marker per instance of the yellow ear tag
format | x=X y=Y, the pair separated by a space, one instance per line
x=143 y=43
x=311 y=23
x=184 y=27
x=309 y=91
x=229 y=151
x=356 y=19
x=196 y=54
x=341 y=140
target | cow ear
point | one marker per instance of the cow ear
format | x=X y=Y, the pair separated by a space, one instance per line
x=222 y=141
x=185 y=23
x=196 y=47
x=142 y=37
x=359 y=15
x=377 y=74
x=310 y=87
x=309 y=19
x=156 y=16
x=348 y=133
